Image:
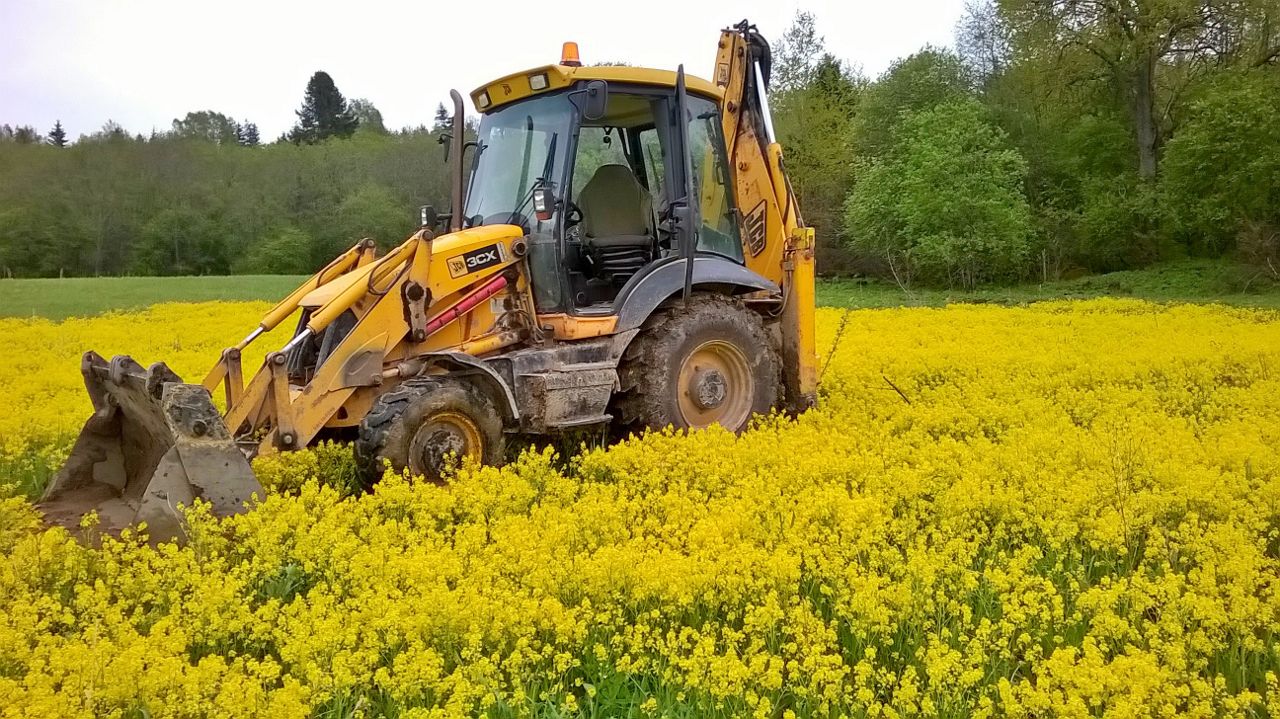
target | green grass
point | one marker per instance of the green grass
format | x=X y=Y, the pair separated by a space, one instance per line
x=1186 y=281
x=58 y=299
x=1196 y=281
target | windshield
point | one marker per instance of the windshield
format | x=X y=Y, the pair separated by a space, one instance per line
x=520 y=148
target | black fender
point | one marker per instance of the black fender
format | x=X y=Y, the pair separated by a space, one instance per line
x=465 y=363
x=647 y=290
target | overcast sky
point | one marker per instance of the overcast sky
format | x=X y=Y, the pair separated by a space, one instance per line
x=144 y=62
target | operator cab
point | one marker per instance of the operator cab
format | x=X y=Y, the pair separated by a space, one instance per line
x=590 y=169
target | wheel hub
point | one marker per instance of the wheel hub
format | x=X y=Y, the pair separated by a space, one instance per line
x=442 y=439
x=715 y=385
x=709 y=388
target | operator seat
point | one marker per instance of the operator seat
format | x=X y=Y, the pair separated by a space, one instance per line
x=618 y=226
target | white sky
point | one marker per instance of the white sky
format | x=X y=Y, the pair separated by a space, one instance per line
x=144 y=62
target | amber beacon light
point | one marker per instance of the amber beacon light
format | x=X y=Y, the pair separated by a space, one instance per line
x=569 y=55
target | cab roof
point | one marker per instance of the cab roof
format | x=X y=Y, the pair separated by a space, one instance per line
x=516 y=86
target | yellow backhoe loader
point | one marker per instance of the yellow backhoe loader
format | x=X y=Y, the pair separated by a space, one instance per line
x=626 y=251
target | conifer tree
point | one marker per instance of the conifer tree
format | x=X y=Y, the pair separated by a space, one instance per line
x=324 y=113
x=247 y=134
x=57 y=136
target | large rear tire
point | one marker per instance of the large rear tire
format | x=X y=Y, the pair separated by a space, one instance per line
x=426 y=425
x=710 y=363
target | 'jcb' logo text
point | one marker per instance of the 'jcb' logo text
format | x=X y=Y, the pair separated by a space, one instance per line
x=475 y=260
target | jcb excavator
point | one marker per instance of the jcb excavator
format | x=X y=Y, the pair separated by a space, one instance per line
x=626 y=252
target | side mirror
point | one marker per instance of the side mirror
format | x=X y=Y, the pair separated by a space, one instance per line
x=428 y=216
x=447 y=140
x=543 y=203
x=597 y=100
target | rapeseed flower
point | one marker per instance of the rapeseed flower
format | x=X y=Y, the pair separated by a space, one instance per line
x=1068 y=509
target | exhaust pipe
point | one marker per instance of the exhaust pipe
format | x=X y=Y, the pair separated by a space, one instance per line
x=456 y=169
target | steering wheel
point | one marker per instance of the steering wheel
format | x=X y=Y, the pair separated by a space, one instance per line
x=572 y=214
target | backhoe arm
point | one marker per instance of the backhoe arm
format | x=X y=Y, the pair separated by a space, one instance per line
x=776 y=242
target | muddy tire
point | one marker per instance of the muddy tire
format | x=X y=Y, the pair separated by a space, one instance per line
x=427 y=424
x=712 y=363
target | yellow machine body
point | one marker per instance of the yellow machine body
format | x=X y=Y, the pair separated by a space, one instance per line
x=455 y=309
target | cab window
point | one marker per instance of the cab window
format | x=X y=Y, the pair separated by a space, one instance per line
x=649 y=147
x=597 y=146
x=711 y=183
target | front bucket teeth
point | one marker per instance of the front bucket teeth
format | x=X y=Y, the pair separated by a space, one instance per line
x=153 y=444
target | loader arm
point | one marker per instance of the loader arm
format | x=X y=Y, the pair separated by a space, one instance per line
x=374 y=318
x=776 y=242
x=228 y=372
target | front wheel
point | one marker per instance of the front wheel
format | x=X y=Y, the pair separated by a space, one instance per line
x=691 y=367
x=426 y=425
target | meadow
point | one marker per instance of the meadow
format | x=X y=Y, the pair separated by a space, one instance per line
x=58 y=299
x=1197 y=281
x=1065 y=509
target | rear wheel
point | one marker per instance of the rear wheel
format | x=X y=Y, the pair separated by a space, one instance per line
x=710 y=363
x=426 y=425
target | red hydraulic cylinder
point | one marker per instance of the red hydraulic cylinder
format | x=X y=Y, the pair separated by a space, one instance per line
x=487 y=290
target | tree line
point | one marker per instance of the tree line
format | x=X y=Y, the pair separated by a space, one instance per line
x=1055 y=137
x=208 y=197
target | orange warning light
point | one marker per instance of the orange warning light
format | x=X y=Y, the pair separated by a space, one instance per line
x=569 y=55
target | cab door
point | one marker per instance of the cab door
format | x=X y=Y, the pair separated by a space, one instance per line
x=685 y=207
x=705 y=180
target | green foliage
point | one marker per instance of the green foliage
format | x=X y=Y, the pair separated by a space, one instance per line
x=945 y=202
x=180 y=241
x=1222 y=169
x=815 y=102
x=324 y=113
x=442 y=120
x=1093 y=101
x=285 y=251
x=1136 y=52
x=34 y=236
x=247 y=134
x=796 y=54
x=373 y=211
x=1119 y=223
x=815 y=125
x=57 y=136
x=1195 y=281
x=983 y=39
x=207 y=125
x=22 y=134
x=368 y=116
x=919 y=82
x=115 y=205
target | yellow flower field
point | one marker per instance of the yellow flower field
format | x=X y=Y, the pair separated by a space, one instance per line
x=1067 y=509
x=43 y=391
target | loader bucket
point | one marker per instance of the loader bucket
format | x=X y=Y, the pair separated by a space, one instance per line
x=152 y=444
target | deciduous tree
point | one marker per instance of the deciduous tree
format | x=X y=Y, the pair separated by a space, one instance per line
x=369 y=117
x=945 y=202
x=207 y=125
